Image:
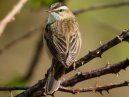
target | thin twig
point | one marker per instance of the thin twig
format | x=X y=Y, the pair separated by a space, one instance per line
x=103 y=6
x=10 y=88
x=81 y=76
x=94 y=88
x=11 y=15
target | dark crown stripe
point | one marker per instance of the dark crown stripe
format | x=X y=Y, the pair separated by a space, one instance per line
x=57 y=5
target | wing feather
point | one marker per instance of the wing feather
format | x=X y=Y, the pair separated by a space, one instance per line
x=63 y=43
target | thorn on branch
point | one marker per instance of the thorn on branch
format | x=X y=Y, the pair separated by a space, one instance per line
x=100 y=43
x=99 y=89
x=117 y=74
x=107 y=90
x=101 y=92
x=115 y=68
x=11 y=94
x=124 y=36
x=120 y=38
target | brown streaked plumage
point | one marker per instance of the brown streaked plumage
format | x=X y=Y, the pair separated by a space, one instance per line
x=63 y=40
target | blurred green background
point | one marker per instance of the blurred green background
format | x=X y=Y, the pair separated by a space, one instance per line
x=95 y=26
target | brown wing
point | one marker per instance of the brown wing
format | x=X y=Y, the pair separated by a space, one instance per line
x=74 y=48
x=63 y=42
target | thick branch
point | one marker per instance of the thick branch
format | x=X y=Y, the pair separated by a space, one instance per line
x=79 y=77
x=95 y=88
x=98 y=7
x=124 y=36
x=11 y=15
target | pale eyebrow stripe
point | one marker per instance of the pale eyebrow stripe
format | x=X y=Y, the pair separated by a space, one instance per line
x=63 y=7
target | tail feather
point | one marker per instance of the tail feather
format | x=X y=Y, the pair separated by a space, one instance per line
x=54 y=77
x=52 y=84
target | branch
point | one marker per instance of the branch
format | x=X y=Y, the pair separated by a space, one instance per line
x=99 y=89
x=9 y=88
x=95 y=73
x=98 y=7
x=124 y=36
x=77 y=90
x=79 y=77
x=11 y=15
x=29 y=33
x=95 y=88
x=33 y=89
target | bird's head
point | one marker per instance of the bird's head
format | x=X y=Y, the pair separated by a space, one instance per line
x=59 y=11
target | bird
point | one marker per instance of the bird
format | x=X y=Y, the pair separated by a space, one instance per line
x=63 y=39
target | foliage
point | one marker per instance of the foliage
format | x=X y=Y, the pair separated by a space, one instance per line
x=44 y=2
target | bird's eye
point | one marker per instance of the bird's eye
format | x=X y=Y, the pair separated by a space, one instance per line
x=61 y=10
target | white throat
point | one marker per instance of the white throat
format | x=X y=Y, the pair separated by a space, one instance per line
x=53 y=16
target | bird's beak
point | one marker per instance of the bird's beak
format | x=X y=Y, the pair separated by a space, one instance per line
x=49 y=10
